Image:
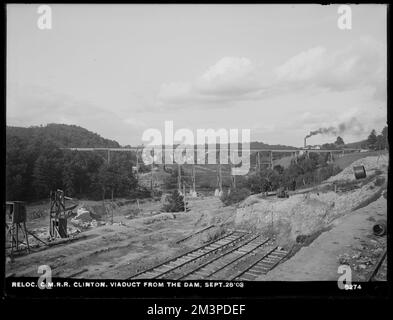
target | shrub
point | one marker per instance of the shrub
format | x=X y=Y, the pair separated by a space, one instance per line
x=234 y=196
x=215 y=234
x=140 y=193
x=174 y=202
x=265 y=180
x=328 y=171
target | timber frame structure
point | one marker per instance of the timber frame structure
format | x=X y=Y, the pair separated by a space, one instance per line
x=16 y=225
x=58 y=214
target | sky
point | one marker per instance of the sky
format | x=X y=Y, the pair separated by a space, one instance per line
x=279 y=70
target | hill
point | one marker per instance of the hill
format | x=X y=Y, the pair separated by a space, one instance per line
x=61 y=135
x=265 y=146
x=357 y=145
x=36 y=164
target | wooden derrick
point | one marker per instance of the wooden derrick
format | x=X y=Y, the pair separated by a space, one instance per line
x=59 y=214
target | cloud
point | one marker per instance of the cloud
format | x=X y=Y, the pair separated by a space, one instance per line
x=361 y=64
x=230 y=79
x=230 y=75
x=312 y=118
x=303 y=66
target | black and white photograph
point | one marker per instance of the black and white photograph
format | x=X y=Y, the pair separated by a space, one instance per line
x=206 y=148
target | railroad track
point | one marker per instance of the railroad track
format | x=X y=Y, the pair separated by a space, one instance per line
x=239 y=254
x=251 y=247
x=165 y=269
x=263 y=265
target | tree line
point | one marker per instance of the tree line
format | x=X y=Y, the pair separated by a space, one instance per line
x=36 y=163
x=306 y=171
x=378 y=141
x=374 y=142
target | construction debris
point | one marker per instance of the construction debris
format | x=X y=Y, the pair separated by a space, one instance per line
x=359 y=172
x=379 y=228
x=371 y=165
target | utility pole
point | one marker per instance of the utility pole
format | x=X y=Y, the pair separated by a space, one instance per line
x=137 y=161
x=219 y=177
x=151 y=177
x=233 y=178
x=184 y=197
x=234 y=182
x=179 y=177
x=193 y=178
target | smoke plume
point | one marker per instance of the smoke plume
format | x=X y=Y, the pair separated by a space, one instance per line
x=352 y=125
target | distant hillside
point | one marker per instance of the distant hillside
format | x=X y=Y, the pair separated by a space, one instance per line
x=261 y=145
x=62 y=135
x=357 y=145
x=36 y=164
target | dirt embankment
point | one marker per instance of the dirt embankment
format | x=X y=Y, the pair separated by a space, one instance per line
x=350 y=242
x=301 y=216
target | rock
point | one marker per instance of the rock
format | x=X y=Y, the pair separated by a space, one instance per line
x=74 y=232
x=83 y=215
x=377 y=252
x=358 y=247
x=344 y=259
x=356 y=256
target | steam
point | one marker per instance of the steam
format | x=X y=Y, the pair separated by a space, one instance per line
x=352 y=125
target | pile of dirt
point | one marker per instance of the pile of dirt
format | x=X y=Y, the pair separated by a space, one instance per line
x=371 y=165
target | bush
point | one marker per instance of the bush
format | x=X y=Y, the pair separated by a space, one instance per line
x=140 y=193
x=234 y=196
x=215 y=234
x=328 y=171
x=174 y=203
x=265 y=180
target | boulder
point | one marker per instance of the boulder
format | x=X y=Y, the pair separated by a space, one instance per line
x=83 y=215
